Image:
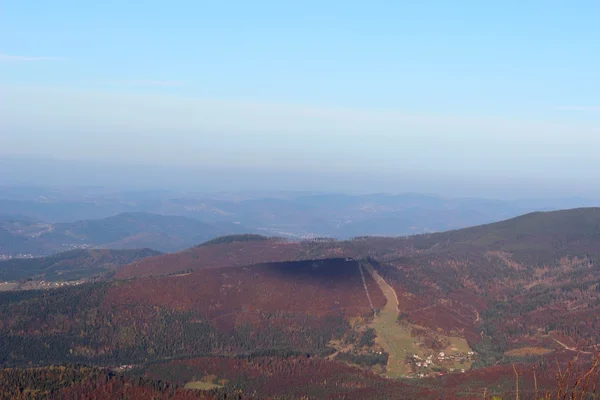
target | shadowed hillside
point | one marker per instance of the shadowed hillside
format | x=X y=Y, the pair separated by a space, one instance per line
x=316 y=286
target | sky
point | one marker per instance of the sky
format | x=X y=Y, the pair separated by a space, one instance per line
x=471 y=96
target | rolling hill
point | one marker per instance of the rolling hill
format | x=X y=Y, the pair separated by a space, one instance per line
x=123 y=231
x=223 y=252
x=295 y=215
x=71 y=265
x=450 y=280
x=529 y=280
x=530 y=268
x=255 y=314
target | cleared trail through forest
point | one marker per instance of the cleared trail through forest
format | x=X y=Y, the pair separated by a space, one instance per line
x=362 y=275
x=393 y=338
x=385 y=287
x=397 y=338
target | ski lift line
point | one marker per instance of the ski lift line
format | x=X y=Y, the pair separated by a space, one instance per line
x=362 y=275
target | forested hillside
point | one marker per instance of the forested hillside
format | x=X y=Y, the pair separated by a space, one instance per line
x=260 y=317
x=71 y=265
x=279 y=306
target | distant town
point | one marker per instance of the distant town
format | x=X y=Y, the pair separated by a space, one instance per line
x=11 y=256
x=65 y=246
x=37 y=285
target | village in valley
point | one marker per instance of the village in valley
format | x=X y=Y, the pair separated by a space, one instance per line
x=36 y=285
x=439 y=364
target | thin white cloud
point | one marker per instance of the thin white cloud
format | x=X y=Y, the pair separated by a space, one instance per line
x=153 y=83
x=578 y=108
x=13 y=58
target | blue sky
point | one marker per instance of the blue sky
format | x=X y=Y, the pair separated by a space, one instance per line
x=440 y=90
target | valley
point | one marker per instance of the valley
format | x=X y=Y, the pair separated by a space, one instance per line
x=410 y=317
x=71 y=266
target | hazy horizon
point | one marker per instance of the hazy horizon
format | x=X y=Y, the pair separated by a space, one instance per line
x=52 y=173
x=487 y=100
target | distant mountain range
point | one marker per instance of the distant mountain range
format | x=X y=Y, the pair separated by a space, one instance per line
x=298 y=215
x=132 y=230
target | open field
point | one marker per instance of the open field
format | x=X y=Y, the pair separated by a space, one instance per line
x=399 y=341
x=201 y=385
x=8 y=286
x=528 y=351
x=396 y=340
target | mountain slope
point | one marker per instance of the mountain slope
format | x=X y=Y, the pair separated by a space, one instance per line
x=531 y=279
x=451 y=280
x=71 y=265
x=522 y=291
x=223 y=253
x=279 y=307
x=553 y=230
